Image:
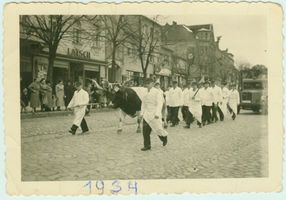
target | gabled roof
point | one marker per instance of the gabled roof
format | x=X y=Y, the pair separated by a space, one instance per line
x=201 y=27
x=177 y=32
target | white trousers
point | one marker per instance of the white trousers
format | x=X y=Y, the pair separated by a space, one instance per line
x=78 y=115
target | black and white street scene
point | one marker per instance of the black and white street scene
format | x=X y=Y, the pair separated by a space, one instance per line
x=107 y=97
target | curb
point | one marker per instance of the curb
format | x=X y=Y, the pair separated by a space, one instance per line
x=59 y=113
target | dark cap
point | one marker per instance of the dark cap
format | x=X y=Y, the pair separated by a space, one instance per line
x=174 y=81
x=148 y=80
x=78 y=83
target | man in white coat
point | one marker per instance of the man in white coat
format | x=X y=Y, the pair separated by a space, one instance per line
x=78 y=103
x=175 y=100
x=151 y=109
x=195 y=104
x=187 y=116
x=217 y=93
x=164 y=105
x=207 y=102
x=233 y=100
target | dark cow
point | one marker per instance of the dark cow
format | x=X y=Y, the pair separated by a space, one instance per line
x=129 y=102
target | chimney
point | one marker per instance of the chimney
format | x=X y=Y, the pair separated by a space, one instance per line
x=174 y=23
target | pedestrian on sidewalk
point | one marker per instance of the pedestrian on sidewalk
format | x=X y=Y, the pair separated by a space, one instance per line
x=34 y=88
x=60 y=94
x=233 y=101
x=151 y=109
x=78 y=103
x=175 y=102
x=24 y=100
x=68 y=91
x=225 y=96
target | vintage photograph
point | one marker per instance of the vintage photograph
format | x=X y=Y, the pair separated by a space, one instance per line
x=141 y=96
x=92 y=85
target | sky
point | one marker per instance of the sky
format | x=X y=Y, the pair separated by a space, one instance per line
x=245 y=36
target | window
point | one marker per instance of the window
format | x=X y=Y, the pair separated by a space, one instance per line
x=129 y=51
x=76 y=36
x=97 y=41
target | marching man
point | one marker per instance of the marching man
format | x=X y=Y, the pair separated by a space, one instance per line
x=175 y=101
x=79 y=102
x=217 y=93
x=195 y=106
x=233 y=101
x=151 y=109
x=207 y=102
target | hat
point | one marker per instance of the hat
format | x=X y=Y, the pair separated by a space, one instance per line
x=206 y=82
x=174 y=81
x=148 y=80
x=78 y=83
x=157 y=82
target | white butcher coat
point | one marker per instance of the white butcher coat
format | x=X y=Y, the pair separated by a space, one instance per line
x=152 y=106
x=195 y=104
x=186 y=97
x=175 y=97
x=233 y=100
x=78 y=102
x=207 y=97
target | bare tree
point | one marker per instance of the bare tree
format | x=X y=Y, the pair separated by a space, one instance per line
x=114 y=28
x=49 y=29
x=145 y=38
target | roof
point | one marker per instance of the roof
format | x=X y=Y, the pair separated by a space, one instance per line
x=178 y=32
x=201 y=27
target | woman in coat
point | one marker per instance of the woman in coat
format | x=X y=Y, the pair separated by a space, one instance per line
x=233 y=101
x=34 y=88
x=60 y=94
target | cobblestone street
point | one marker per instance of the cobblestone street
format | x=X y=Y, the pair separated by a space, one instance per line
x=230 y=149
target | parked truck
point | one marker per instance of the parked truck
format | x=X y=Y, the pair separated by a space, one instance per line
x=254 y=95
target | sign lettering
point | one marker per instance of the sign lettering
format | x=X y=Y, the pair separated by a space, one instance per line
x=78 y=53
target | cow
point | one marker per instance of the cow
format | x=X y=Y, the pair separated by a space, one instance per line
x=128 y=100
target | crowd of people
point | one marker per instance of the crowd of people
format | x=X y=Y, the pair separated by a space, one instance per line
x=41 y=95
x=204 y=102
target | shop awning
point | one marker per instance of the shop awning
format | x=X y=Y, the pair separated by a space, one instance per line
x=164 y=72
x=91 y=67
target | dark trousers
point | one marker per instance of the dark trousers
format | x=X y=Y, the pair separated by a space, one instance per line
x=174 y=115
x=168 y=114
x=206 y=117
x=184 y=112
x=83 y=126
x=221 y=115
x=214 y=112
x=187 y=115
x=146 y=134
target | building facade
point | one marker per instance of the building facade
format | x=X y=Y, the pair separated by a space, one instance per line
x=78 y=56
x=180 y=52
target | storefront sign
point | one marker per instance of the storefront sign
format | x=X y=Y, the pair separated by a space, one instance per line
x=79 y=53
